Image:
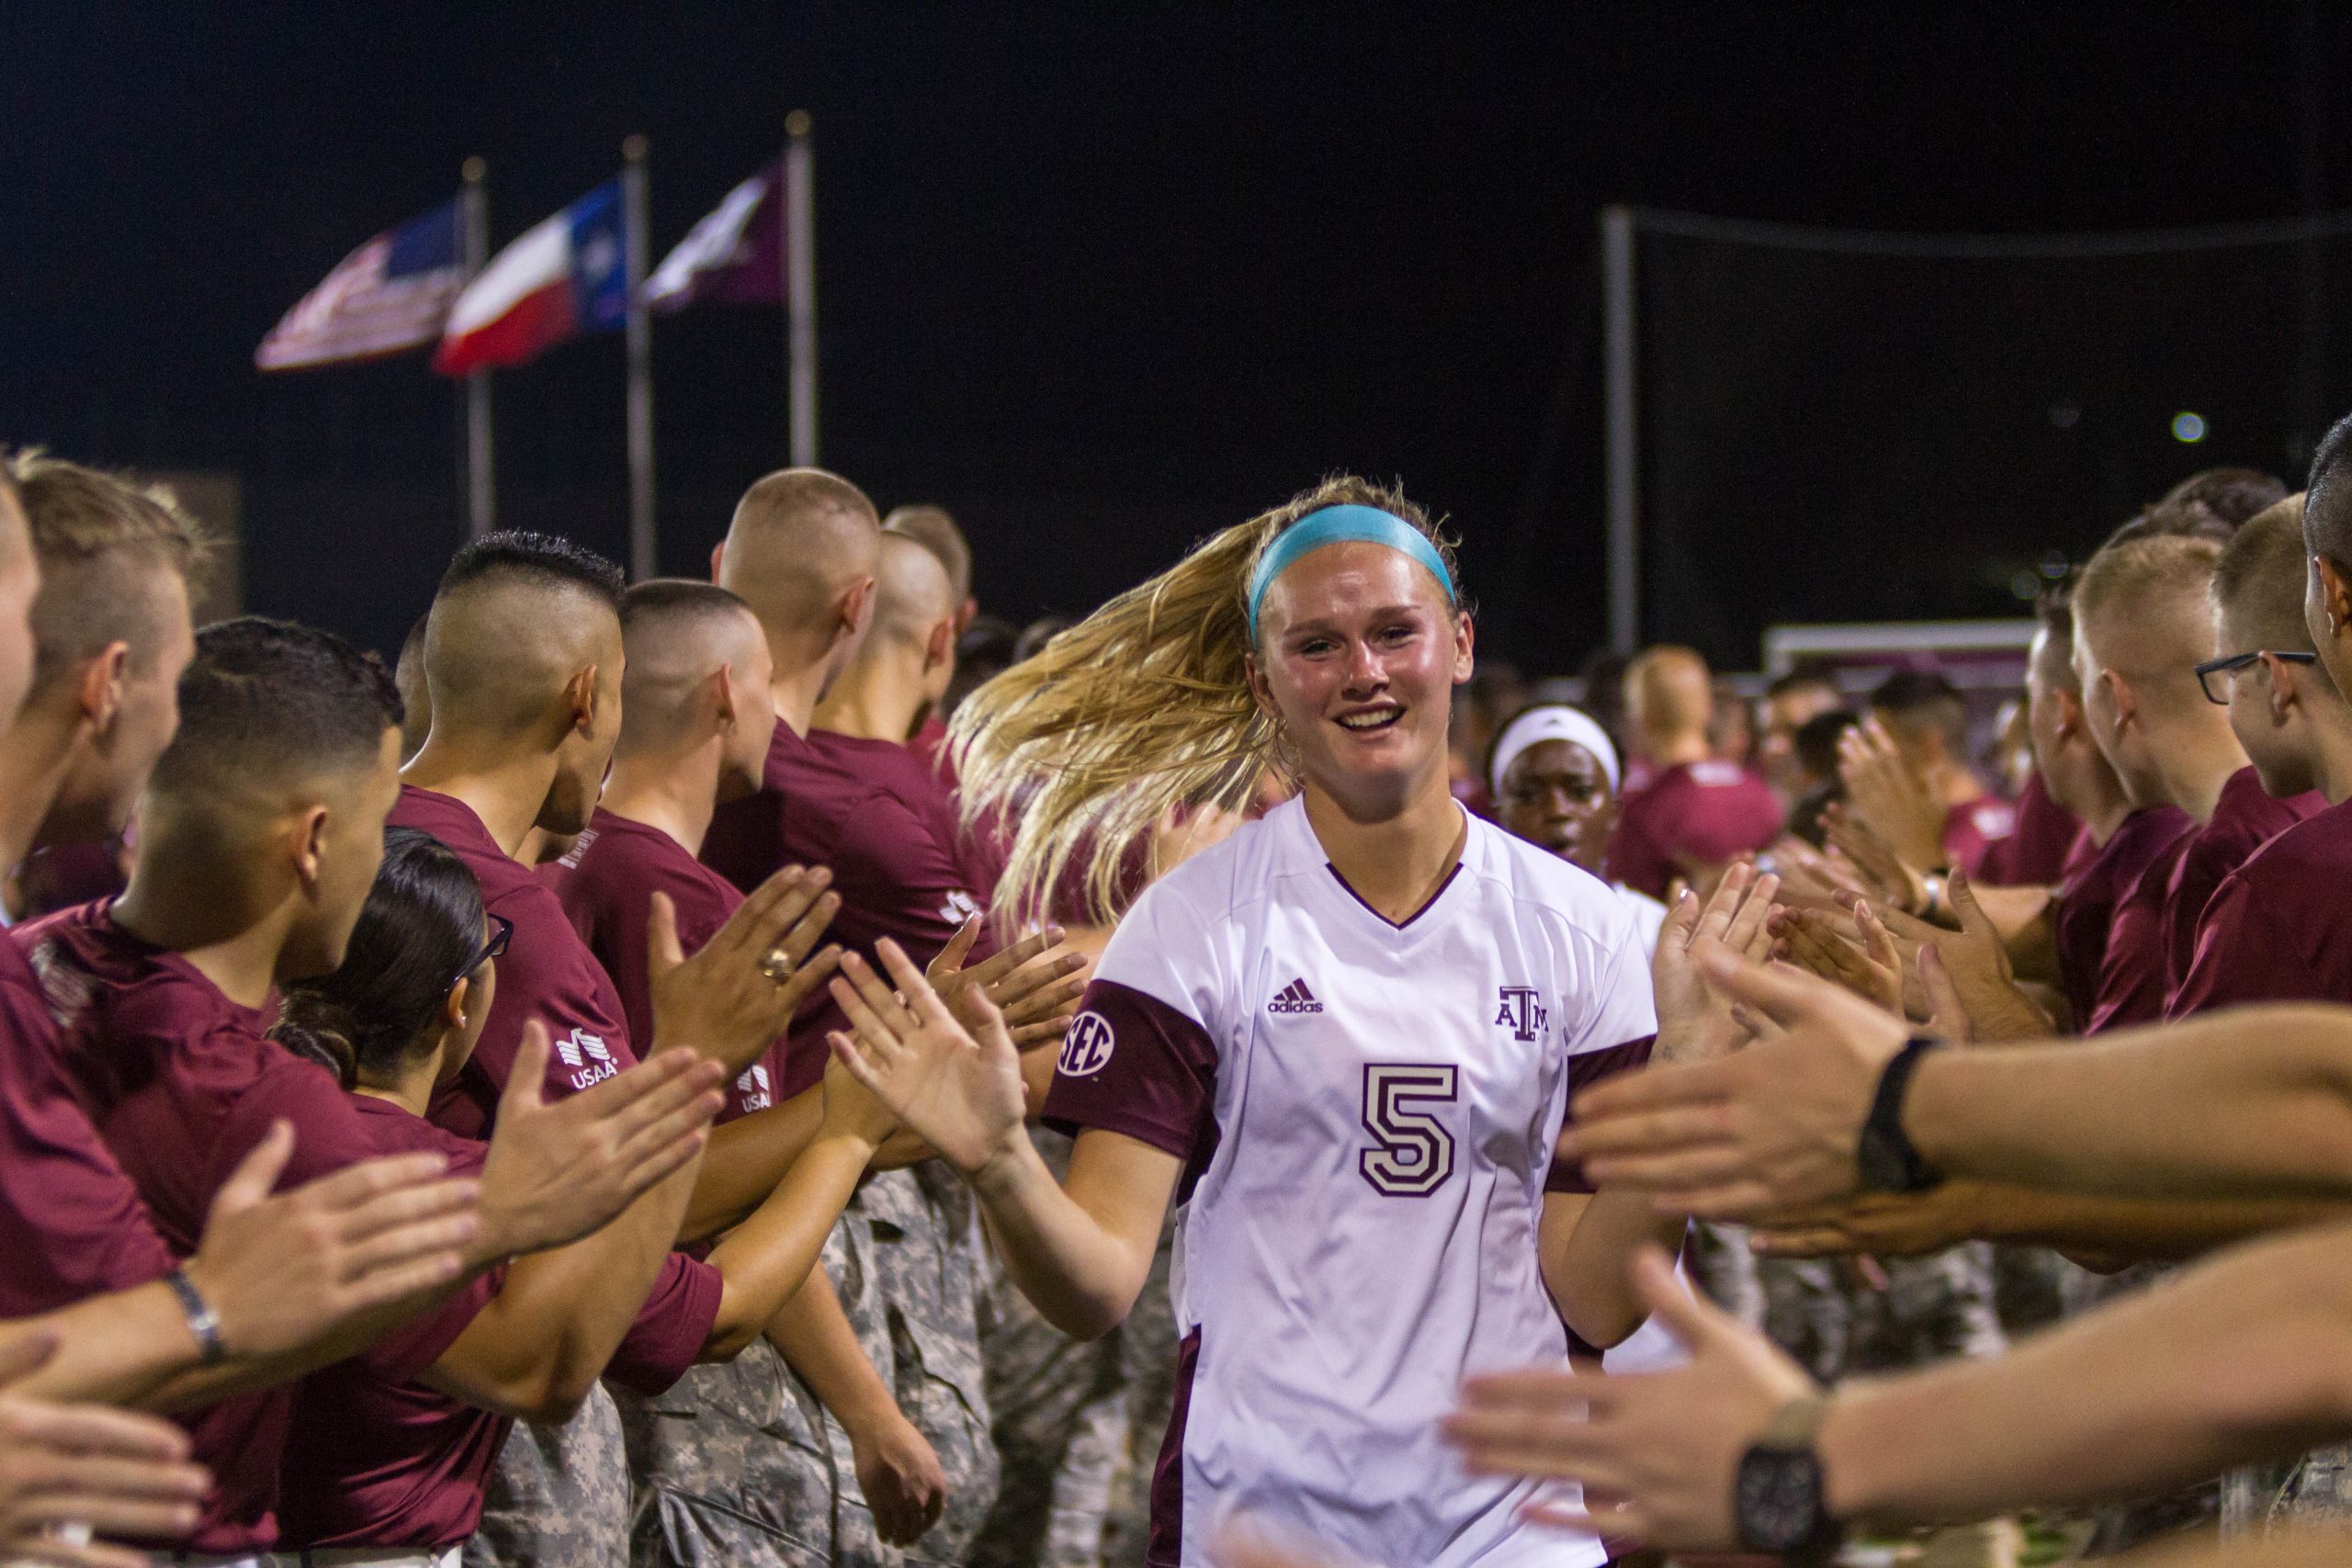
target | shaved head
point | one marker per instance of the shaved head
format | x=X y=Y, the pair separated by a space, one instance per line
x=800 y=537
x=2258 y=585
x=912 y=592
x=2143 y=609
x=1669 y=691
x=678 y=636
x=936 y=531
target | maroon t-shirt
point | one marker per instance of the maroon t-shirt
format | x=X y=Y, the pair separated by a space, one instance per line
x=1691 y=816
x=2275 y=930
x=72 y=1226
x=1972 y=830
x=2035 y=854
x=606 y=884
x=549 y=973
x=2245 y=818
x=182 y=1083
x=887 y=827
x=2088 y=899
x=2132 y=980
x=374 y=1461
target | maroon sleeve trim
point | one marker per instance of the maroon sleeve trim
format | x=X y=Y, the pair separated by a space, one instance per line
x=1132 y=1064
x=1584 y=1069
x=671 y=1330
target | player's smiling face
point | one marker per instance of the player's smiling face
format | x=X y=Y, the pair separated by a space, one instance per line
x=1359 y=653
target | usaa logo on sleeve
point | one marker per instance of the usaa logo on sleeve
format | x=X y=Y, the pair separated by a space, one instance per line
x=587 y=1054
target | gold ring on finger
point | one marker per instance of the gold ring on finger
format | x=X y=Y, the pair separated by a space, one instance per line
x=777 y=966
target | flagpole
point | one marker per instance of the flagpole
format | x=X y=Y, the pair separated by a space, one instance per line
x=800 y=286
x=481 y=495
x=641 y=553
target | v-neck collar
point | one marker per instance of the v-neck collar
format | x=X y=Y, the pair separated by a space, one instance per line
x=1310 y=851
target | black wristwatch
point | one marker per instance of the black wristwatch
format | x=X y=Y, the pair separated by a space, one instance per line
x=1889 y=1161
x=1776 y=1501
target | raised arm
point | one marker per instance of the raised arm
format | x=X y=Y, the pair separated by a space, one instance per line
x=1079 y=1250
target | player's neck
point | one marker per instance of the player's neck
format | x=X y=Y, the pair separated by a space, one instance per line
x=873 y=701
x=507 y=793
x=795 y=693
x=34 y=757
x=412 y=1090
x=2329 y=723
x=674 y=792
x=1666 y=751
x=203 y=918
x=2197 y=763
x=1396 y=864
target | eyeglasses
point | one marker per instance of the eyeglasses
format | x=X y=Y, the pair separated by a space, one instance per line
x=502 y=932
x=2237 y=661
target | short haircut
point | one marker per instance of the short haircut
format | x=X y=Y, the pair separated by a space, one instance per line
x=669 y=627
x=2148 y=603
x=1924 y=699
x=2175 y=519
x=100 y=540
x=548 y=558
x=2234 y=496
x=2258 y=583
x=268 y=701
x=2055 y=608
x=1807 y=674
x=2327 y=499
x=935 y=531
x=663 y=598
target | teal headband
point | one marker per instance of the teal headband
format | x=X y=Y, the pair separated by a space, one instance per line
x=1337 y=525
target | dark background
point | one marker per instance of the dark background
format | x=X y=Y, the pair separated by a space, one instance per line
x=1101 y=279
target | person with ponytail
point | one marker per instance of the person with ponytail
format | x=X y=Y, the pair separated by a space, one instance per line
x=381 y=1467
x=1344 y=1040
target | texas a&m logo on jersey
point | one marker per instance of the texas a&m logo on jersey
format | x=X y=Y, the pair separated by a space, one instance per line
x=1086 y=1049
x=1522 y=1012
x=587 y=1054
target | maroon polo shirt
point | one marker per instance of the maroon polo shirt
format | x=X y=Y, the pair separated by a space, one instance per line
x=2245 y=818
x=885 y=825
x=182 y=1083
x=606 y=885
x=2035 y=854
x=372 y=1461
x=549 y=973
x=2132 y=977
x=1691 y=816
x=1971 y=831
x=72 y=1226
x=2088 y=899
x=2275 y=930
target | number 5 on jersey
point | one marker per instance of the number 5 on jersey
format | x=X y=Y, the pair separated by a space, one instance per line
x=1415 y=1152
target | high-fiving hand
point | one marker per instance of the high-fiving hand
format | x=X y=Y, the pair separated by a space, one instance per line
x=1034 y=983
x=1697 y=1022
x=68 y=1470
x=736 y=996
x=957 y=1089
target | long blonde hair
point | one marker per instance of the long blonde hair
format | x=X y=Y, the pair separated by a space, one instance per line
x=1142 y=706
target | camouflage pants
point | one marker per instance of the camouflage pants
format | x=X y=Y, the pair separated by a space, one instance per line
x=558 y=1497
x=907 y=1270
x=1933 y=1308
x=1718 y=1261
x=730 y=1469
x=1806 y=1313
x=2314 y=1489
x=1147 y=1344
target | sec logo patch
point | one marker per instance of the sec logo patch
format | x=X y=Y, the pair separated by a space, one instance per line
x=1086 y=1049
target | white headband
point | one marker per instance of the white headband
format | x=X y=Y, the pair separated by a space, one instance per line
x=1552 y=721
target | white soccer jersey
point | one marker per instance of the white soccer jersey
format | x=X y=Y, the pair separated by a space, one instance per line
x=1367 y=1112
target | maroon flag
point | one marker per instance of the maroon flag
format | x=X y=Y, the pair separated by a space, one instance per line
x=734 y=256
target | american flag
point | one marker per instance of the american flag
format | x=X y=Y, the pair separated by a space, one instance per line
x=393 y=293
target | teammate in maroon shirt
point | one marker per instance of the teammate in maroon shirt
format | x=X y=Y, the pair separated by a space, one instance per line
x=2143 y=619
x=2035 y=854
x=1695 y=815
x=524 y=657
x=2274 y=932
x=264 y=825
x=1924 y=716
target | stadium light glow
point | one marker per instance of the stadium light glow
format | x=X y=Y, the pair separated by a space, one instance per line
x=2188 y=426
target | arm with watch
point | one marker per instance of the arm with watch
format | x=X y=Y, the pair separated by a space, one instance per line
x=1738 y=1450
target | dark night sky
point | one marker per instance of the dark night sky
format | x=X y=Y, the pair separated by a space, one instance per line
x=1098 y=277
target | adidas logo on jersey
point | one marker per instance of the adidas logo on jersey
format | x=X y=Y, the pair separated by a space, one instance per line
x=1294 y=998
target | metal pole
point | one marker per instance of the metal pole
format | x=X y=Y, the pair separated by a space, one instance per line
x=481 y=490
x=800 y=286
x=642 y=552
x=1624 y=494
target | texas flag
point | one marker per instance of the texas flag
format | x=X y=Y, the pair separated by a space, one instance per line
x=565 y=275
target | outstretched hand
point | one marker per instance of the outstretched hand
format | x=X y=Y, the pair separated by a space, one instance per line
x=1658 y=1452
x=85 y=1468
x=556 y=1172
x=284 y=1271
x=1764 y=1130
x=736 y=996
x=1695 y=1021
x=1034 y=983
x=957 y=1089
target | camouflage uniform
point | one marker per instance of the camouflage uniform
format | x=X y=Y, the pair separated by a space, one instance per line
x=559 y=1496
x=2303 y=1493
x=1934 y=1308
x=1808 y=1313
x=730 y=1468
x=1717 y=1257
x=1060 y=1410
x=909 y=1282
x=1148 y=1368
